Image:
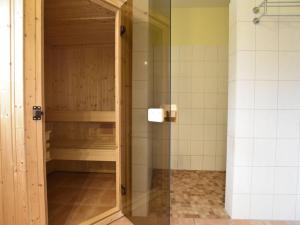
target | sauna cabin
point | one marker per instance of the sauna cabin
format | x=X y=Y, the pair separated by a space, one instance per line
x=82 y=109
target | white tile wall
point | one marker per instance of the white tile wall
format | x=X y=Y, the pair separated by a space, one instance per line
x=263 y=167
x=199 y=88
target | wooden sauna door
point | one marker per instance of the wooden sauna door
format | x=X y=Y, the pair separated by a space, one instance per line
x=35 y=87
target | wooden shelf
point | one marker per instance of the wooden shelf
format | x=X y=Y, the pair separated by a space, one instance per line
x=80 y=116
x=83 y=150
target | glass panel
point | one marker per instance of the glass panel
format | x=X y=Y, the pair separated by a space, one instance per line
x=151 y=89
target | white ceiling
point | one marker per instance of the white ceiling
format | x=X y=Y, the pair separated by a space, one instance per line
x=199 y=3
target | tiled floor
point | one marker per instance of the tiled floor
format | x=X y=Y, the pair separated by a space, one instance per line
x=76 y=197
x=189 y=221
x=198 y=194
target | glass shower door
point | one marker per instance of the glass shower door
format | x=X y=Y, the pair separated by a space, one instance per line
x=150 y=164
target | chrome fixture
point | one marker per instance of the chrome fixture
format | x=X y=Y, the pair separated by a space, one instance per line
x=264 y=9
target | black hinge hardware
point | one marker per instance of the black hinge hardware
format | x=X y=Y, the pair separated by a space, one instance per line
x=123 y=190
x=37 y=112
x=122 y=30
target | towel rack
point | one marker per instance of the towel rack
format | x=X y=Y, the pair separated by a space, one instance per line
x=264 y=9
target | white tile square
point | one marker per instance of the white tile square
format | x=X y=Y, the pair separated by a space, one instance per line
x=174 y=162
x=289 y=95
x=197 y=148
x=197 y=101
x=209 y=148
x=185 y=132
x=221 y=148
x=210 y=116
x=211 y=85
x=286 y=180
x=287 y=152
x=264 y=152
x=221 y=132
x=174 y=146
x=289 y=36
x=262 y=180
x=245 y=65
x=266 y=66
x=220 y=163
x=289 y=67
x=242 y=180
x=198 y=116
x=240 y=206
x=185 y=101
x=266 y=94
x=196 y=162
x=184 y=162
x=243 y=151
x=209 y=163
x=185 y=117
x=198 y=84
x=197 y=133
x=184 y=147
x=261 y=207
x=298 y=208
x=267 y=36
x=210 y=100
x=265 y=123
x=244 y=94
x=244 y=123
x=210 y=133
x=289 y=123
x=284 y=207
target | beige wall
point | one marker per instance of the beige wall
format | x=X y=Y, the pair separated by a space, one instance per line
x=199 y=87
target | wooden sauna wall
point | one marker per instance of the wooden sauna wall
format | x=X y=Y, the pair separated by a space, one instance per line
x=80 y=76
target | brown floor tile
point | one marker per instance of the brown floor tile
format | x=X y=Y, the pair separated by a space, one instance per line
x=182 y=221
x=213 y=222
x=198 y=194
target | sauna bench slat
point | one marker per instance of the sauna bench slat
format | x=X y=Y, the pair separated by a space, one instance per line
x=83 y=154
x=80 y=116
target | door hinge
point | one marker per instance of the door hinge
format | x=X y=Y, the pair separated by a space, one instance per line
x=122 y=30
x=37 y=113
x=123 y=190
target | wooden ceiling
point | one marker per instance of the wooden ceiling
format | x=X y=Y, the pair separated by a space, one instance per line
x=75 y=22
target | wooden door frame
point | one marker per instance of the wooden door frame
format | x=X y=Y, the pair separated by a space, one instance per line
x=34 y=96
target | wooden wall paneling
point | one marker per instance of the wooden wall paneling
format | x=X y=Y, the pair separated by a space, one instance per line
x=13 y=196
x=18 y=107
x=84 y=83
x=33 y=96
x=68 y=9
x=7 y=154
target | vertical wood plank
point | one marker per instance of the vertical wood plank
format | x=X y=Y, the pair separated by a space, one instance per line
x=8 y=167
x=118 y=102
x=18 y=112
x=33 y=96
x=126 y=121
